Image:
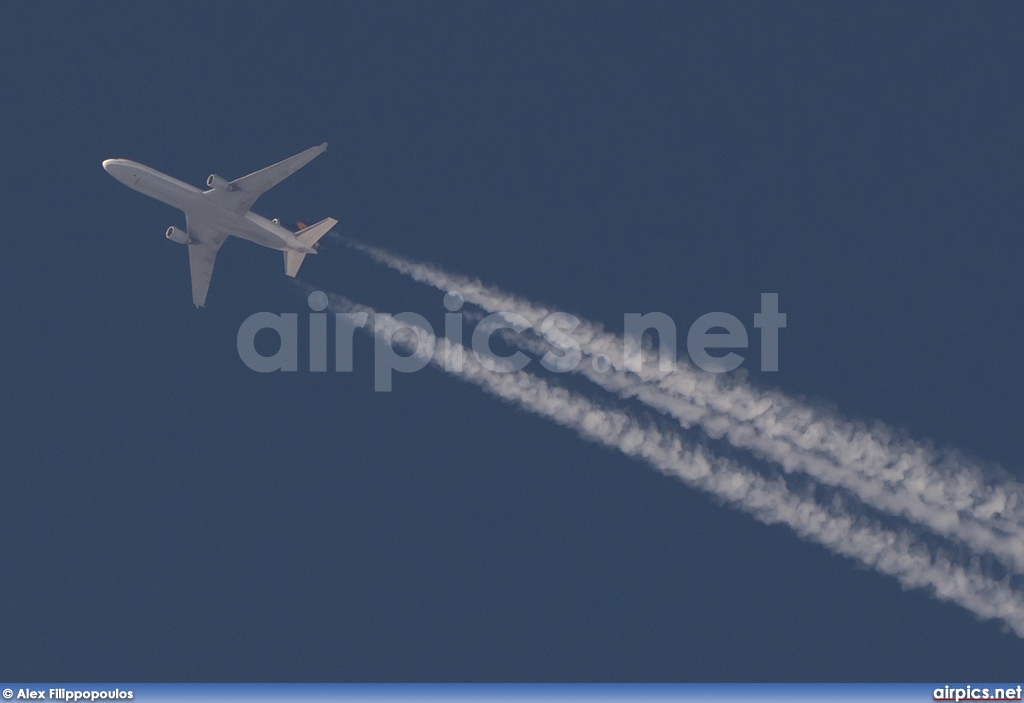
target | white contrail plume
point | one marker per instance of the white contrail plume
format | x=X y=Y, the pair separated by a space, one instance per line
x=897 y=554
x=942 y=492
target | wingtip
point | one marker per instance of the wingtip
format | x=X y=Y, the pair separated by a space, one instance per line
x=323 y=147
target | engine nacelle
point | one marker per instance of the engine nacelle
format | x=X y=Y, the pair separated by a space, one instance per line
x=215 y=181
x=178 y=236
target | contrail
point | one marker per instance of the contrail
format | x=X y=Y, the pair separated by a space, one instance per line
x=896 y=553
x=941 y=491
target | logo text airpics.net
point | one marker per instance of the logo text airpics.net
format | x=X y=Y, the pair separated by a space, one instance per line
x=718 y=331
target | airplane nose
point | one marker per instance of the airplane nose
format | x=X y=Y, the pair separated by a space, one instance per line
x=108 y=163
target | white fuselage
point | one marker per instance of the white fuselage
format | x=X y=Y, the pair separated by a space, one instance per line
x=199 y=208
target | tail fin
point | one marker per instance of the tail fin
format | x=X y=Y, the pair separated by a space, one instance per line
x=308 y=236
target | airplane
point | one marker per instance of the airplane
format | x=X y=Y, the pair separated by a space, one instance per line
x=211 y=216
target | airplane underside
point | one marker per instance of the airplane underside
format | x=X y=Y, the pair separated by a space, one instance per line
x=223 y=210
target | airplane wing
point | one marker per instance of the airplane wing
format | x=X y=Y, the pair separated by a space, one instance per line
x=243 y=192
x=202 y=253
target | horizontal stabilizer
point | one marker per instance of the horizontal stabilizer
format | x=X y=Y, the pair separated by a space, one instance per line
x=308 y=236
x=312 y=234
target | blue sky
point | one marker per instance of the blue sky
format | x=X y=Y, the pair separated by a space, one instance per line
x=168 y=514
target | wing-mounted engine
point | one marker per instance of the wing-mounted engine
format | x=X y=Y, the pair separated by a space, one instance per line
x=178 y=236
x=215 y=181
